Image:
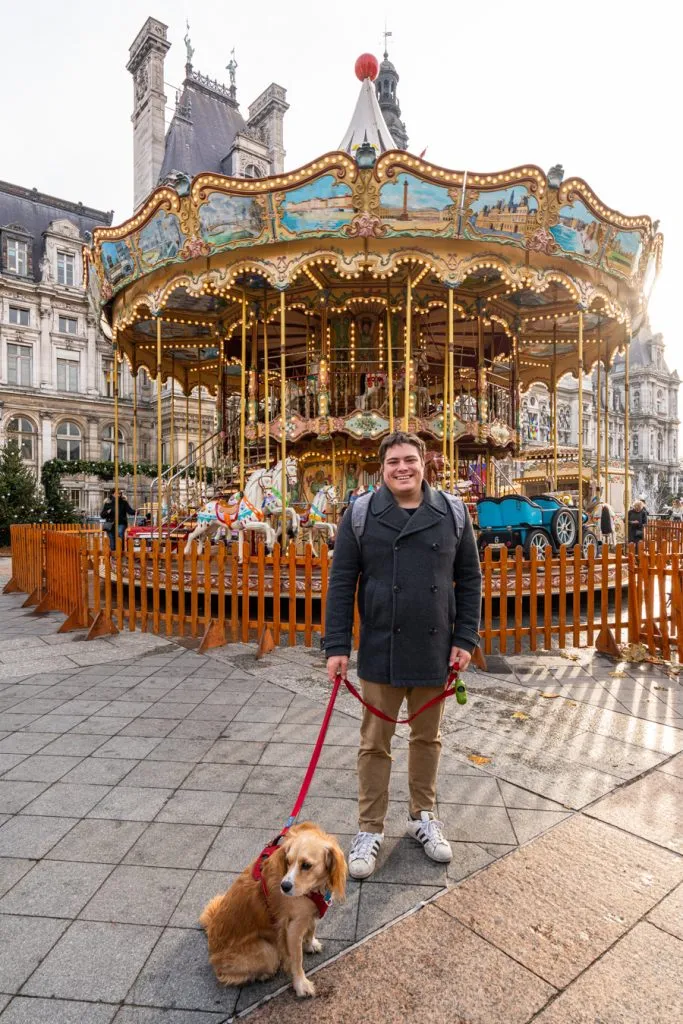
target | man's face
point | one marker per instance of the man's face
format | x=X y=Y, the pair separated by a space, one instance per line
x=403 y=469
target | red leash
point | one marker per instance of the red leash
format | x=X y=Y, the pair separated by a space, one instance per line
x=454 y=687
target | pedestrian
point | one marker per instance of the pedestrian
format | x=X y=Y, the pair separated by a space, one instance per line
x=676 y=510
x=405 y=546
x=107 y=515
x=637 y=520
x=607 y=524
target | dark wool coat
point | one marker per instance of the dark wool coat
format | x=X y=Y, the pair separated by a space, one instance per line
x=411 y=614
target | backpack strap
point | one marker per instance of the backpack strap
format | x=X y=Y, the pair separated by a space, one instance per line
x=359 y=514
x=361 y=507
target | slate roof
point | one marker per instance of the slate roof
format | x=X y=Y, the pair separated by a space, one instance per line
x=202 y=131
x=34 y=211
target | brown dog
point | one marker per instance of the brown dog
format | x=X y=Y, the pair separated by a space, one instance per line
x=249 y=936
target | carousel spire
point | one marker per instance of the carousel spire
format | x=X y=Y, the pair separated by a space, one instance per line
x=367 y=123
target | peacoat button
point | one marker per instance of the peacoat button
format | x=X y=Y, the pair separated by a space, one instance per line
x=433 y=630
x=397 y=629
x=435 y=547
x=397 y=547
x=433 y=588
x=396 y=589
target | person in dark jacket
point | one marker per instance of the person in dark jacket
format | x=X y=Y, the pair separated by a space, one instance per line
x=108 y=514
x=637 y=521
x=414 y=625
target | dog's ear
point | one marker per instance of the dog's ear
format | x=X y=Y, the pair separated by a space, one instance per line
x=336 y=870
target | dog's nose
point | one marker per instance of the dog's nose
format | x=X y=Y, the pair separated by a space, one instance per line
x=286 y=885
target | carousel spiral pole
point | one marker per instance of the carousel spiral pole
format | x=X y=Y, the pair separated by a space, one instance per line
x=115 y=366
x=243 y=387
x=598 y=422
x=135 y=438
x=390 y=364
x=554 y=408
x=606 y=431
x=408 y=354
x=159 y=451
x=266 y=378
x=579 y=369
x=627 y=411
x=451 y=394
x=283 y=414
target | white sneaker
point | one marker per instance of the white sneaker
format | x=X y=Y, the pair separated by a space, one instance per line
x=363 y=853
x=427 y=830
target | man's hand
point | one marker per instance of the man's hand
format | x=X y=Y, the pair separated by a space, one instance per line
x=458 y=657
x=337 y=666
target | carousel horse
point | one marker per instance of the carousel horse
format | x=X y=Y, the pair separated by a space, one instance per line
x=315 y=519
x=268 y=483
x=239 y=512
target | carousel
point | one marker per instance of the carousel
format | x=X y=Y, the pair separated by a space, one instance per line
x=365 y=292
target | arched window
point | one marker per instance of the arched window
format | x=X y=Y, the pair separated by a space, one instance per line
x=564 y=424
x=660 y=447
x=108 y=444
x=660 y=403
x=23 y=432
x=252 y=171
x=636 y=400
x=634 y=444
x=68 y=441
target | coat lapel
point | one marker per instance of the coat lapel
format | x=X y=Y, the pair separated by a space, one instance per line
x=390 y=514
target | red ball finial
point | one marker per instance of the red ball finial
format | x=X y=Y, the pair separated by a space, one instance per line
x=367 y=66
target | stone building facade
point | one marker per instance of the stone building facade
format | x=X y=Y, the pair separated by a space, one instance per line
x=653 y=422
x=56 y=365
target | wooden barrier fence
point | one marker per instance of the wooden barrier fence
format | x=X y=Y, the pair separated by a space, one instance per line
x=664 y=532
x=551 y=602
x=28 y=555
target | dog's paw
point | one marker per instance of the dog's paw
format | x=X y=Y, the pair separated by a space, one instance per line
x=303 y=987
x=314 y=946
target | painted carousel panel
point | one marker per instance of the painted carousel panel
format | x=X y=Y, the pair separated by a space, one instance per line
x=502 y=215
x=227 y=220
x=579 y=233
x=622 y=252
x=320 y=207
x=411 y=206
x=118 y=263
x=160 y=241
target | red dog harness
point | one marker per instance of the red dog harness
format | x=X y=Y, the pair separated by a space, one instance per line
x=322 y=902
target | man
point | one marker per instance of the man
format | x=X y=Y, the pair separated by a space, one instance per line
x=108 y=514
x=413 y=545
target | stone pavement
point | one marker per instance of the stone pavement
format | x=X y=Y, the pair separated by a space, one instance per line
x=136 y=777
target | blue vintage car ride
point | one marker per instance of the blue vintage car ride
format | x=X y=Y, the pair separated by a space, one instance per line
x=534 y=524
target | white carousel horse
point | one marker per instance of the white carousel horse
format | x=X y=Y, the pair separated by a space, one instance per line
x=239 y=512
x=269 y=483
x=315 y=519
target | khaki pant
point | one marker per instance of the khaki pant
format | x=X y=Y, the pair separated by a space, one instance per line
x=374 y=754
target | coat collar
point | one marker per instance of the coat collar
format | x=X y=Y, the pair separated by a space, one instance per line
x=385 y=508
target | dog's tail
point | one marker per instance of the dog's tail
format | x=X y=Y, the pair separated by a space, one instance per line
x=209 y=912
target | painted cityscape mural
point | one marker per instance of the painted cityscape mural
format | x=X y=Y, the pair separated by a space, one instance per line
x=118 y=262
x=226 y=218
x=501 y=215
x=579 y=232
x=160 y=240
x=319 y=207
x=409 y=205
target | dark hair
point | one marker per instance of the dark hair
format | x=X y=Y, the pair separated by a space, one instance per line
x=401 y=437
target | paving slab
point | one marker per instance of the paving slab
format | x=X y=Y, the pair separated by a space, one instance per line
x=24 y=942
x=101 y=841
x=25 y=1010
x=11 y=870
x=137 y=895
x=15 y=795
x=489 y=985
x=154 y=1015
x=30 y=835
x=172 y=845
x=638 y=980
x=54 y=888
x=669 y=913
x=93 y=961
x=561 y=901
x=178 y=975
x=203 y=887
x=652 y=807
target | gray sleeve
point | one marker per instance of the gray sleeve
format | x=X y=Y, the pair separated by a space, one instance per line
x=341 y=592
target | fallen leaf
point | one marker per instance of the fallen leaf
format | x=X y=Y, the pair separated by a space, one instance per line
x=617 y=674
x=569 y=655
x=661 y=687
x=571 y=704
x=521 y=716
x=478 y=759
x=549 y=696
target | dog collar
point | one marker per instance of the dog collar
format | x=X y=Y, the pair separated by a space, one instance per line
x=322 y=902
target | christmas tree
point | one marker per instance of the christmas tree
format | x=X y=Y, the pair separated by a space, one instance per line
x=59 y=507
x=20 y=498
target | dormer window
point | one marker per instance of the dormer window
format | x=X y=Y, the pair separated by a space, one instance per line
x=17 y=257
x=66 y=268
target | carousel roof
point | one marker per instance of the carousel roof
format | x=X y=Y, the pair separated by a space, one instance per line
x=367 y=123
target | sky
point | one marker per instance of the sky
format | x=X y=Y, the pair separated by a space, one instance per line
x=594 y=86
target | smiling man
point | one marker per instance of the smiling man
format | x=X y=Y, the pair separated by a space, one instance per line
x=412 y=554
